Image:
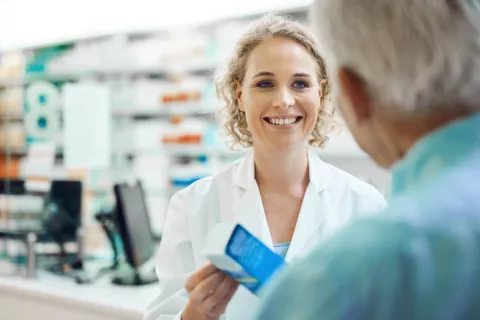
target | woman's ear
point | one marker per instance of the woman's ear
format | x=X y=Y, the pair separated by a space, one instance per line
x=321 y=89
x=238 y=95
x=323 y=84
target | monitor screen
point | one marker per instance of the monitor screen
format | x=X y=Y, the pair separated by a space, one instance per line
x=134 y=224
x=64 y=210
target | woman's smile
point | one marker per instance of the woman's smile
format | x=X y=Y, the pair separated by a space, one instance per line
x=283 y=122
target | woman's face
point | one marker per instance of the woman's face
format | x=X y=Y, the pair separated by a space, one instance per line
x=280 y=94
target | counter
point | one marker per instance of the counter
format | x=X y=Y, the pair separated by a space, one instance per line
x=52 y=297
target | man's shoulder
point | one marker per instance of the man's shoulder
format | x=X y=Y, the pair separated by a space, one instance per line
x=366 y=237
x=376 y=260
x=410 y=235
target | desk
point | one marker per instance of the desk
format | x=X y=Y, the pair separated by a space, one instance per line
x=51 y=297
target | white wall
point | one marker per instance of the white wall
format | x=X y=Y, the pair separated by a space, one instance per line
x=33 y=22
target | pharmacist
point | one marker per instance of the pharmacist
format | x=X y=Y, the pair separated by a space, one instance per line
x=276 y=93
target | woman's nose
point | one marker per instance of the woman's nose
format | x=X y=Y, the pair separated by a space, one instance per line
x=283 y=98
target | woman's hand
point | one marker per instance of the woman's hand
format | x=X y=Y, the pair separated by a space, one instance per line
x=210 y=291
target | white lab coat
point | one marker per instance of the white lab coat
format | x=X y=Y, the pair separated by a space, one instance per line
x=332 y=198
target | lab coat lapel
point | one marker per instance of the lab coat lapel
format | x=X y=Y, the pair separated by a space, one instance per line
x=249 y=210
x=315 y=207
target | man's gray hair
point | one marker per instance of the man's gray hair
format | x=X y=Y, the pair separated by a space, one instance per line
x=417 y=55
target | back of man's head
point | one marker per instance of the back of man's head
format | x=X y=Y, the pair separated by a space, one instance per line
x=413 y=55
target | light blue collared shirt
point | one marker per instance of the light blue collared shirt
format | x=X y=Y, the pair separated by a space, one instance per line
x=418 y=260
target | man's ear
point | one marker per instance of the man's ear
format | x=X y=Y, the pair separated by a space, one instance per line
x=238 y=95
x=353 y=89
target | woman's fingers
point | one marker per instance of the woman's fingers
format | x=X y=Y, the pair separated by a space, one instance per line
x=206 y=287
x=221 y=307
x=210 y=290
x=218 y=297
x=199 y=276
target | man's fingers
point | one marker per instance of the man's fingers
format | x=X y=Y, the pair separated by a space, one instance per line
x=221 y=292
x=199 y=276
x=206 y=287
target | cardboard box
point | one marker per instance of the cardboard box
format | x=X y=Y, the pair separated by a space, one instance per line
x=238 y=253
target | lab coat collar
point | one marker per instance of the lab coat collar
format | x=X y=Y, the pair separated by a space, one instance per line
x=320 y=177
x=315 y=206
x=249 y=210
x=318 y=172
x=244 y=177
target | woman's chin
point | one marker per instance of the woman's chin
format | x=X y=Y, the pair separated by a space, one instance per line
x=286 y=145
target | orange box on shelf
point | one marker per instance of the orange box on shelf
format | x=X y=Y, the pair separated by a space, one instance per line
x=9 y=168
x=194 y=96
x=182 y=139
x=191 y=139
x=176 y=119
x=169 y=140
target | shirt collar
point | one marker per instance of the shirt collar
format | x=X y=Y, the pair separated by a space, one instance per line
x=436 y=152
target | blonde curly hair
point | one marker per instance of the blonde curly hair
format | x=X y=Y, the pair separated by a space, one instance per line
x=267 y=27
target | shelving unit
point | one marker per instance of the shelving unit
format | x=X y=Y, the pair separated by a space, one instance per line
x=206 y=70
x=131 y=79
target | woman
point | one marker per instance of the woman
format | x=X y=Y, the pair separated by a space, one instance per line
x=276 y=92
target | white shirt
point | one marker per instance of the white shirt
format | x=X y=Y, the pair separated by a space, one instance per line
x=332 y=199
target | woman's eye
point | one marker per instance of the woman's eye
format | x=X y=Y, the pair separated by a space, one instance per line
x=300 y=85
x=265 y=84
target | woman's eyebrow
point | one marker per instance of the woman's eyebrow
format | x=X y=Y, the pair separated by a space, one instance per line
x=266 y=73
x=263 y=73
x=302 y=75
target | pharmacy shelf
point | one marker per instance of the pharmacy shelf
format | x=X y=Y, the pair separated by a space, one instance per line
x=11 y=117
x=22 y=151
x=204 y=70
x=167 y=110
x=32 y=78
x=198 y=110
x=202 y=108
x=14 y=151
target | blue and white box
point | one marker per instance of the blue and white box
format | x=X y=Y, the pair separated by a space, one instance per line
x=238 y=253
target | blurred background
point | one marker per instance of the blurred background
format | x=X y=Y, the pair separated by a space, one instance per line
x=100 y=93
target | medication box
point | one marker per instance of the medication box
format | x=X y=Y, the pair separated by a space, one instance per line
x=235 y=251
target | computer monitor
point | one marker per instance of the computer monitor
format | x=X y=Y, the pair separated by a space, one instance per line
x=63 y=211
x=60 y=219
x=133 y=224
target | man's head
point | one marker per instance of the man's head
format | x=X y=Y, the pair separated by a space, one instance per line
x=400 y=68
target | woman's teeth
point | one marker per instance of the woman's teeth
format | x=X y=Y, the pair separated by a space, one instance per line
x=281 y=121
